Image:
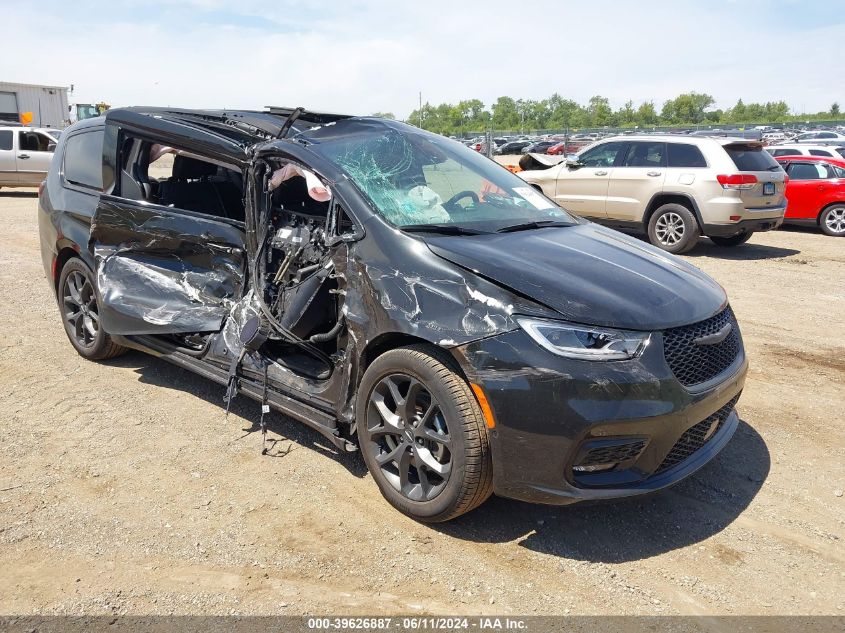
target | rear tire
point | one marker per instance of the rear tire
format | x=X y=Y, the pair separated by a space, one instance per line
x=673 y=228
x=80 y=313
x=422 y=434
x=733 y=240
x=832 y=220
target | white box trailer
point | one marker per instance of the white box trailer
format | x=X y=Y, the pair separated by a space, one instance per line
x=48 y=104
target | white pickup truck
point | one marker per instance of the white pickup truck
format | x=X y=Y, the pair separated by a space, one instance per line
x=25 y=155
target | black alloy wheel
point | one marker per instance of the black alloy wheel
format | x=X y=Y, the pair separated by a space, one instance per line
x=423 y=435
x=79 y=308
x=408 y=427
x=81 y=313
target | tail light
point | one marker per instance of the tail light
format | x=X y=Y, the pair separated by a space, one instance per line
x=785 y=179
x=41 y=187
x=737 y=181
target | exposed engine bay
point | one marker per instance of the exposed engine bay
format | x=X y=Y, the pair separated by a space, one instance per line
x=294 y=279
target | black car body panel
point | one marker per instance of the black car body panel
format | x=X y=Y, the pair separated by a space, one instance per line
x=161 y=271
x=630 y=284
x=183 y=286
x=546 y=407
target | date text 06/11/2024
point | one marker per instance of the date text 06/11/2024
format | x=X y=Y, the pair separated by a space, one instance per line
x=417 y=623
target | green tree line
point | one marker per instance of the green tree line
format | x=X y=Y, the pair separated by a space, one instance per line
x=557 y=113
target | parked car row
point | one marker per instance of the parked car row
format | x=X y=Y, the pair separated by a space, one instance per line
x=796 y=149
x=767 y=134
x=675 y=188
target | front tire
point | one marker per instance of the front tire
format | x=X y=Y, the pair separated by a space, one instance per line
x=832 y=220
x=422 y=434
x=733 y=240
x=673 y=228
x=81 y=313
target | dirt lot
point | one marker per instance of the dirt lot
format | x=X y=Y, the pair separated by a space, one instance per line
x=123 y=489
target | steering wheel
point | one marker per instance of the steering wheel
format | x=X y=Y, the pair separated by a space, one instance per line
x=460 y=195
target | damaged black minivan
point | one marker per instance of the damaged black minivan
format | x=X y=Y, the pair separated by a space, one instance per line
x=397 y=292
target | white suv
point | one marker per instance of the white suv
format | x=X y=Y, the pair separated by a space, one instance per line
x=25 y=155
x=795 y=149
x=674 y=188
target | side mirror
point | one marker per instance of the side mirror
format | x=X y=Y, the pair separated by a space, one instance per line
x=51 y=147
x=573 y=163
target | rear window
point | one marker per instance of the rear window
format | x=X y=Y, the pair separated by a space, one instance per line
x=5 y=139
x=811 y=171
x=820 y=152
x=750 y=157
x=785 y=152
x=83 y=163
x=684 y=155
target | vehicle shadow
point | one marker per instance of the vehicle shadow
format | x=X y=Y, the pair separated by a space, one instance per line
x=634 y=529
x=802 y=228
x=745 y=252
x=18 y=194
x=748 y=251
x=283 y=431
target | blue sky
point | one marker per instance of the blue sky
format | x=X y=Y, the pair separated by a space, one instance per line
x=364 y=56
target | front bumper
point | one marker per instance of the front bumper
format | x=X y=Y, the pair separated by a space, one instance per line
x=548 y=408
x=743 y=226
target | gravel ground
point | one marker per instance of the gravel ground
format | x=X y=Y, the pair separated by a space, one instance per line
x=125 y=490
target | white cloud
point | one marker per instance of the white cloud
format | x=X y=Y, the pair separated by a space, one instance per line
x=361 y=57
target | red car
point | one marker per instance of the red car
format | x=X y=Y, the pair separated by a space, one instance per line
x=567 y=147
x=816 y=192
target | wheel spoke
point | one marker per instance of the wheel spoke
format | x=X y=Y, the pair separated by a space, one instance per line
x=89 y=327
x=434 y=436
x=428 y=461
x=398 y=400
x=404 y=467
x=429 y=413
x=425 y=483
x=73 y=287
x=408 y=409
x=391 y=456
x=391 y=423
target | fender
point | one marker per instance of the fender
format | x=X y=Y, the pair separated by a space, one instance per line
x=688 y=197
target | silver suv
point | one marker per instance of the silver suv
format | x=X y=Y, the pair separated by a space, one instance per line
x=675 y=188
x=25 y=155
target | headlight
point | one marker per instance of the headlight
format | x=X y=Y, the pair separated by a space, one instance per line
x=584 y=342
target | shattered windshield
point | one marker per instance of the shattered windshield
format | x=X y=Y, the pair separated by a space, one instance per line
x=418 y=179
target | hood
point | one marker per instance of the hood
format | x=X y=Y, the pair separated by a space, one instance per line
x=590 y=274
